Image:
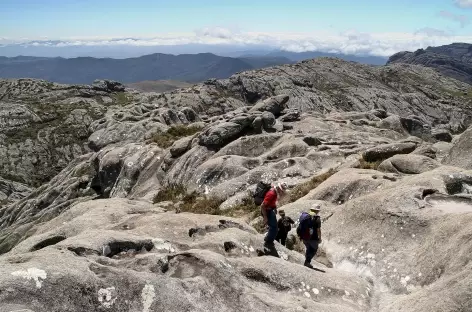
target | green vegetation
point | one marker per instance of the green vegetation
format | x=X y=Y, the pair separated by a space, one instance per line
x=166 y=139
x=122 y=99
x=83 y=170
x=304 y=188
x=195 y=203
x=369 y=165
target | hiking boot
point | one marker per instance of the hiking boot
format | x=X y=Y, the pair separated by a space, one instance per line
x=308 y=265
x=269 y=245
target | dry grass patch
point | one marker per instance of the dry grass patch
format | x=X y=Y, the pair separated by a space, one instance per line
x=166 y=139
x=196 y=203
x=369 y=165
x=304 y=188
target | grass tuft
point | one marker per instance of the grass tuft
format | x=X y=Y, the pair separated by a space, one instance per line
x=304 y=188
x=369 y=165
x=194 y=203
x=166 y=139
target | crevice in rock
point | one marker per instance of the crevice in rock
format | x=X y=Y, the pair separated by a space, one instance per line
x=223 y=224
x=427 y=192
x=115 y=248
x=48 y=242
x=259 y=276
x=229 y=246
x=83 y=252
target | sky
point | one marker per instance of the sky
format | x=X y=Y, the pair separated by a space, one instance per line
x=359 y=27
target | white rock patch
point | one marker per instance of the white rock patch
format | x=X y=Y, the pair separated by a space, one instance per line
x=148 y=294
x=105 y=297
x=32 y=273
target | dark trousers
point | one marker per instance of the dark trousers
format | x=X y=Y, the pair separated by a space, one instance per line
x=311 y=249
x=272 y=223
x=282 y=237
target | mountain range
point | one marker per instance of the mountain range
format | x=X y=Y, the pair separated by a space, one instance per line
x=453 y=60
x=158 y=66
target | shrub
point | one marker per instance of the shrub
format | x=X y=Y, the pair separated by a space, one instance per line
x=171 y=193
x=244 y=208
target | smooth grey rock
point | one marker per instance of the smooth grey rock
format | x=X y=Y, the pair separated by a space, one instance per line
x=268 y=120
x=274 y=105
x=290 y=116
x=408 y=164
x=108 y=86
x=221 y=134
x=385 y=151
x=180 y=146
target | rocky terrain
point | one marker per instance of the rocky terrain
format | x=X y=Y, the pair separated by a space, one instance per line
x=453 y=60
x=158 y=85
x=154 y=214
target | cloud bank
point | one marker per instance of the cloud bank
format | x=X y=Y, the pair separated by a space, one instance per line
x=348 y=42
x=463 y=3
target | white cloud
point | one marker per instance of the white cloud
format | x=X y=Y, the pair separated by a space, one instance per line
x=463 y=3
x=461 y=19
x=348 y=42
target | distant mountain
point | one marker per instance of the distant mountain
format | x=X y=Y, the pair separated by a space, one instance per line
x=453 y=60
x=300 y=56
x=84 y=70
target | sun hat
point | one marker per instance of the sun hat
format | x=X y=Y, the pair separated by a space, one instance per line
x=315 y=209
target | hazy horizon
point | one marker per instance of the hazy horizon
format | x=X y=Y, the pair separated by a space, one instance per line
x=122 y=28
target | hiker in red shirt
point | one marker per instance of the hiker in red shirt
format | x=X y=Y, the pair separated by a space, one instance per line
x=269 y=211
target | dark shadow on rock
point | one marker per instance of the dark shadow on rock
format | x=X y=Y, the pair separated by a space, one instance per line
x=48 y=242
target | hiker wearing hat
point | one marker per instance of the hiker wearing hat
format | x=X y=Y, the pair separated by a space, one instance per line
x=269 y=210
x=284 y=226
x=309 y=231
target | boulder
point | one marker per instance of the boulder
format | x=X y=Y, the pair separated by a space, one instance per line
x=181 y=146
x=385 y=151
x=459 y=154
x=392 y=122
x=290 y=116
x=268 y=120
x=221 y=134
x=257 y=124
x=427 y=150
x=108 y=86
x=274 y=105
x=408 y=164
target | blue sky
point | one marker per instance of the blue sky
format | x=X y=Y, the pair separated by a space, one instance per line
x=67 y=18
x=325 y=20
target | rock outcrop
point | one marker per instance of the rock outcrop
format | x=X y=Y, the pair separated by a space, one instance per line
x=453 y=60
x=156 y=205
